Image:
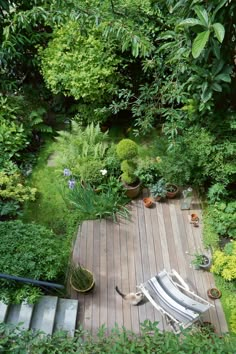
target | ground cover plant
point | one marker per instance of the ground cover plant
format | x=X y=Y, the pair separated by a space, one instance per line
x=49 y=208
x=30 y=251
x=151 y=340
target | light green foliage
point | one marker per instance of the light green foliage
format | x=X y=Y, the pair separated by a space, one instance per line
x=49 y=208
x=224 y=264
x=210 y=236
x=127 y=150
x=79 y=65
x=107 y=202
x=119 y=341
x=80 y=148
x=12 y=140
x=31 y=251
x=12 y=188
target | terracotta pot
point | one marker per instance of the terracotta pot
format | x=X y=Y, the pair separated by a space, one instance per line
x=214 y=293
x=172 y=194
x=194 y=217
x=132 y=191
x=148 y=202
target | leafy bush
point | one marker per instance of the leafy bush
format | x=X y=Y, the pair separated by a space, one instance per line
x=31 y=251
x=78 y=65
x=224 y=264
x=90 y=172
x=216 y=193
x=222 y=217
x=12 y=188
x=148 y=172
x=119 y=341
x=108 y=202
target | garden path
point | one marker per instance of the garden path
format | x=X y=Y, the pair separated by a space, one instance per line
x=130 y=252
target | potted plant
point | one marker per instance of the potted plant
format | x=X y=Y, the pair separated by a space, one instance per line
x=171 y=190
x=127 y=152
x=158 y=190
x=214 y=293
x=81 y=279
x=201 y=261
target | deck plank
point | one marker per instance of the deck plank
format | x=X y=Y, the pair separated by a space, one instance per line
x=129 y=252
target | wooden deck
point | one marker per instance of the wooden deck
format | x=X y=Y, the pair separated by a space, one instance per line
x=129 y=253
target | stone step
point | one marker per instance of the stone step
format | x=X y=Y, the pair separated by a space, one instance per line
x=13 y=314
x=25 y=315
x=66 y=316
x=3 y=311
x=44 y=314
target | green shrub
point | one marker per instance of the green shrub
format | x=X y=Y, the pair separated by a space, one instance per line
x=224 y=264
x=12 y=188
x=148 y=172
x=119 y=341
x=127 y=149
x=127 y=152
x=222 y=216
x=31 y=251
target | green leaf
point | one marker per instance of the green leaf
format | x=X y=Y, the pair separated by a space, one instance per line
x=199 y=43
x=219 y=31
x=223 y=77
x=202 y=15
x=190 y=22
x=216 y=87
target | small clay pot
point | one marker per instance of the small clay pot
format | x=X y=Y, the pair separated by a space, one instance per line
x=214 y=293
x=194 y=217
x=148 y=202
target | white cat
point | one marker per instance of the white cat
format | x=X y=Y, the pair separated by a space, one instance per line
x=131 y=298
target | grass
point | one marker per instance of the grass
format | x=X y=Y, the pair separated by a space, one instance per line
x=49 y=209
x=228 y=299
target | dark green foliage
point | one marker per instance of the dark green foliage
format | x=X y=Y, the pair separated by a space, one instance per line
x=148 y=173
x=31 y=251
x=120 y=341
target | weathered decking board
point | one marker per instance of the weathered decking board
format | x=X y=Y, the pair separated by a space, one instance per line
x=128 y=253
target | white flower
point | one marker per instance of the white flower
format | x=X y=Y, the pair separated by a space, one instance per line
x=103 y=172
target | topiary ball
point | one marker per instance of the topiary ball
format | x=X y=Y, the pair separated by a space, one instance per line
x=127 y=149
